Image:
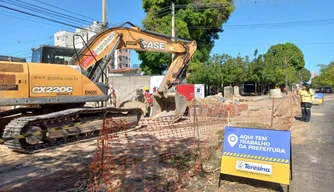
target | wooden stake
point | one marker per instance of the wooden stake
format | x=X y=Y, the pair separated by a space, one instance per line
x=272 y=113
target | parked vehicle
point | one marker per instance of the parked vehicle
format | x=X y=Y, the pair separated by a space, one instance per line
x=326 y=89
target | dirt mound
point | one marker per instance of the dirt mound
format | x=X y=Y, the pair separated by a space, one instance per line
x=212 y=99
x=259 y=113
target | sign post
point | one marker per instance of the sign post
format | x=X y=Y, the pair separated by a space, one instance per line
x=261 y=154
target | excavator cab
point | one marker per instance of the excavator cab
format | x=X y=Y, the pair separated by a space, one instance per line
x=52 y=54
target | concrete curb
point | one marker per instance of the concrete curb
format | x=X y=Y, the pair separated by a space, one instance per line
x=252 y=99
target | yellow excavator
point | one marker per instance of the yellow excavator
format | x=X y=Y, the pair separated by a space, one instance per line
x=59 y=92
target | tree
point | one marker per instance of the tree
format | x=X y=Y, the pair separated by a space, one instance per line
x=283 y=57
x=305 y=75
x=316 y=82
x=326 y=77
x=222 y=69
x=210 y=72
x=199 y=20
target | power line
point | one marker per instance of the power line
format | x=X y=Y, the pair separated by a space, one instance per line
x=167 y=8
x=327 y=21
x=163 y=13
x=202 y=6
x=24 y=18
x=46 y=11
x=34 y=15
x=52 y=12
x=28 y=48
x=65 y=10
x=256 y=2
x=291 y=23
x=269 y=44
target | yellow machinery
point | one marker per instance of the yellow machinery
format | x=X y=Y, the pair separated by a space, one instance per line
x=61 y=90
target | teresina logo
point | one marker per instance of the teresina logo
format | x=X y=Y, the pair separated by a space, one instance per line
x=257 y=168
x=254 y=167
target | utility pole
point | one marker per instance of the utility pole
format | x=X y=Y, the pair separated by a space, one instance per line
x=173 y=25
x=104 y=14
x=286 y=75
x=105 y=27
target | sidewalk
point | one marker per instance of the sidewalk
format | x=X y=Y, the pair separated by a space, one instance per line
x=252 y=98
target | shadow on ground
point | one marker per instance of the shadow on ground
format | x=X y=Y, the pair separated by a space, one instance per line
x=253 y=183
x=50 y=170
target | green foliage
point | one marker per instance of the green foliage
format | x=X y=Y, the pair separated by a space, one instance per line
x=305 y=75
x=212 y=16
x=280 y=57
x=278 y=54
x=266 y=68
x=316 y=82
x=222 y=69
x=326 y=77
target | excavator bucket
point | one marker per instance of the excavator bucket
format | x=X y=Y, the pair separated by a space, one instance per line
x=173 y=104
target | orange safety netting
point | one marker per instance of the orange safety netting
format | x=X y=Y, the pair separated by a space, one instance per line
x=156 y=155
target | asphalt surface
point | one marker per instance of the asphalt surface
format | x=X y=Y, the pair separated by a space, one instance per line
x=313 y=158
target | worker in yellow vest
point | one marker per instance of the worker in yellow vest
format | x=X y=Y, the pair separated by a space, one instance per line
x=307 y=96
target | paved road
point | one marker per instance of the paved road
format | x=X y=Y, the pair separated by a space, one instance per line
x=313 y=154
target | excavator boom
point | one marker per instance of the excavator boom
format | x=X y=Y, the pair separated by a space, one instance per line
x=138 y=39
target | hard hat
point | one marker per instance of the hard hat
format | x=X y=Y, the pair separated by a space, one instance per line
x=146 y=88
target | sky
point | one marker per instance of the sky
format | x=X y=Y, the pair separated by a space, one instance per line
x=307 y=23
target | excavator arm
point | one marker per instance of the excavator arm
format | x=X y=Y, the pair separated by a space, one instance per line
x=135 y=38
x=105 y=43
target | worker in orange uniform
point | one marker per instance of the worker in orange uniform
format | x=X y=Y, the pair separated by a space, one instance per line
x=148 y=100
x=307 y=96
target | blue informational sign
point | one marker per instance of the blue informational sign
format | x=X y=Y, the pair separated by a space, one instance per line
x=262 y=144
x=318 y=95
x=262 y=154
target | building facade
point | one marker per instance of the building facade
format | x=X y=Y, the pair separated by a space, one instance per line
x=121 y=59
x=63 y=39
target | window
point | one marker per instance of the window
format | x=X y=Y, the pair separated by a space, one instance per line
x=36 y=56
x=57 y=55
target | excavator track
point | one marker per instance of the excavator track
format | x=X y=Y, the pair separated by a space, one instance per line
x=62 y=127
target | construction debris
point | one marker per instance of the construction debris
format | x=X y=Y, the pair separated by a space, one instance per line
x=212 y=99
